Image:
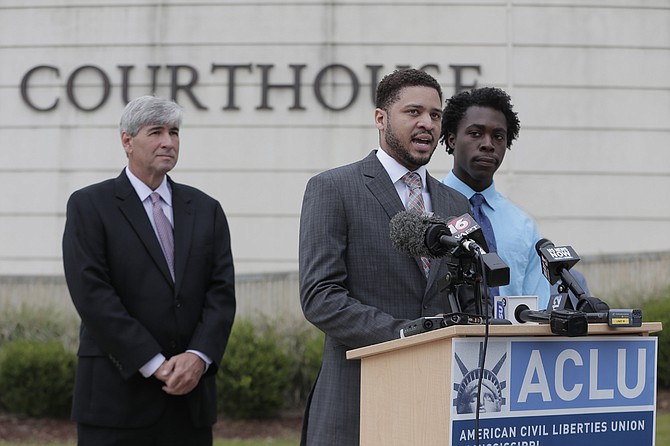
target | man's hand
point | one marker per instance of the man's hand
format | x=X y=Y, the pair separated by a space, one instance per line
x=163 y=372
x=181 y=373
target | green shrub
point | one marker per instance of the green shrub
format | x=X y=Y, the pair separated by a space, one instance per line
x=313 y=356
x=36 y=378
x=254 y=374
x=306 y=352
x=658 y=310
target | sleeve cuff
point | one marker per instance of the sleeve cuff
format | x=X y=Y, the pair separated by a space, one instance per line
x=148 y=369
x=202 y=356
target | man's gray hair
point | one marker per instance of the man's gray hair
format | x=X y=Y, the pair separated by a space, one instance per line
x=150 y=110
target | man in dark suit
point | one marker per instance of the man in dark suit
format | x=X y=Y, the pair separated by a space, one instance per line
x=157 y=304
x=354 y=285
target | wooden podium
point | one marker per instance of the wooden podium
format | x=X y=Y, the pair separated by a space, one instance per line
x=407 y=384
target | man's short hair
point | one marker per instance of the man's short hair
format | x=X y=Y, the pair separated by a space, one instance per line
x=388 y=90
x=490 y=97
x=150 y=110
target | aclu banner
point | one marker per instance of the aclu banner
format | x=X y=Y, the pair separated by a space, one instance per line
x=584 y=391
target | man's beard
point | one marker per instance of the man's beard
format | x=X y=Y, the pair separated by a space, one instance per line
x=397 y=148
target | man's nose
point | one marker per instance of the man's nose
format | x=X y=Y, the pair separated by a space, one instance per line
x=166 y=140
x=426 y=121
x=486 y=143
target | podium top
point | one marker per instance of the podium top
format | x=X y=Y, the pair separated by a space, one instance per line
x=456 y=331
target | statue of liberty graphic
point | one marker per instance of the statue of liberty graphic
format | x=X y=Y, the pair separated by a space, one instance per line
x=491 y=398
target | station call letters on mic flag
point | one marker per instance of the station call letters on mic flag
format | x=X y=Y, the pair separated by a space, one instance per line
x=467 y=226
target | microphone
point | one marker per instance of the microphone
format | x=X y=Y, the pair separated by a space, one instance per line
x=556 y=263
x=421 y=235
x=561 y=322
x=523 y=314
x=466 y=227
x=424 y=235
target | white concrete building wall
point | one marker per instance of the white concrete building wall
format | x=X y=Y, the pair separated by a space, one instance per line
x=589 y=79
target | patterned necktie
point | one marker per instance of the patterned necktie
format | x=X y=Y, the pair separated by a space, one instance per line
x=476 y=201
x=164 y=229
x=415 y=203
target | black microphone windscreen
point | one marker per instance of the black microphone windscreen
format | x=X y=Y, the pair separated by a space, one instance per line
x=407 y=230
x=555 y=260
x=542 y=243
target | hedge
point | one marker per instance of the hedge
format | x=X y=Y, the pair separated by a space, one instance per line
x=658 y=310
x=255 y=373
x=36 y=378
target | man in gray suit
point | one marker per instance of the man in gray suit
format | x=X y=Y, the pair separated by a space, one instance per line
x=354 y=285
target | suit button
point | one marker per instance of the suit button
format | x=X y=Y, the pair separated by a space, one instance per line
x=178 y=304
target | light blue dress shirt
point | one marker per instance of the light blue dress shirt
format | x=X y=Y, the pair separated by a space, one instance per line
x=516 y=234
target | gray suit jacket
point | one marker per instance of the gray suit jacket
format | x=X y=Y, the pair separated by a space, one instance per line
x=355 y=286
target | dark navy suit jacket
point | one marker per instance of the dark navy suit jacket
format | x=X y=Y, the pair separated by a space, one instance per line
x=129 y=306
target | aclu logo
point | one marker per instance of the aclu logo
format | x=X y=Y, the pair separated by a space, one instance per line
x=560 y=252
x=582 y=373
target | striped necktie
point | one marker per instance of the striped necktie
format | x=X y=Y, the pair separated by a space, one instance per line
x=164 y=229
x=415 y=203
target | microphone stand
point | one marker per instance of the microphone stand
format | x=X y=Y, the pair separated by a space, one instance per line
x=584 y=302
x=461 y=272
x=471 y=268
x=474 y=273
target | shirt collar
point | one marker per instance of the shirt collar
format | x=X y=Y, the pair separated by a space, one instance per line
x=397 y=170
x=455 y=183
x=143 y=191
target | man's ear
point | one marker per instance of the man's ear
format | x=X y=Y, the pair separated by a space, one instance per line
x=126 y=140
x=381 y=118
x=451 y=141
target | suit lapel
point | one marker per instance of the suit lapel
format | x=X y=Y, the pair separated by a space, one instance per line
x=380 y=185
x=133 y=209
x=184 y=218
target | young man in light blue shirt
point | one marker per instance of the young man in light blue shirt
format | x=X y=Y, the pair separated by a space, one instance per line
x=478 y=126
